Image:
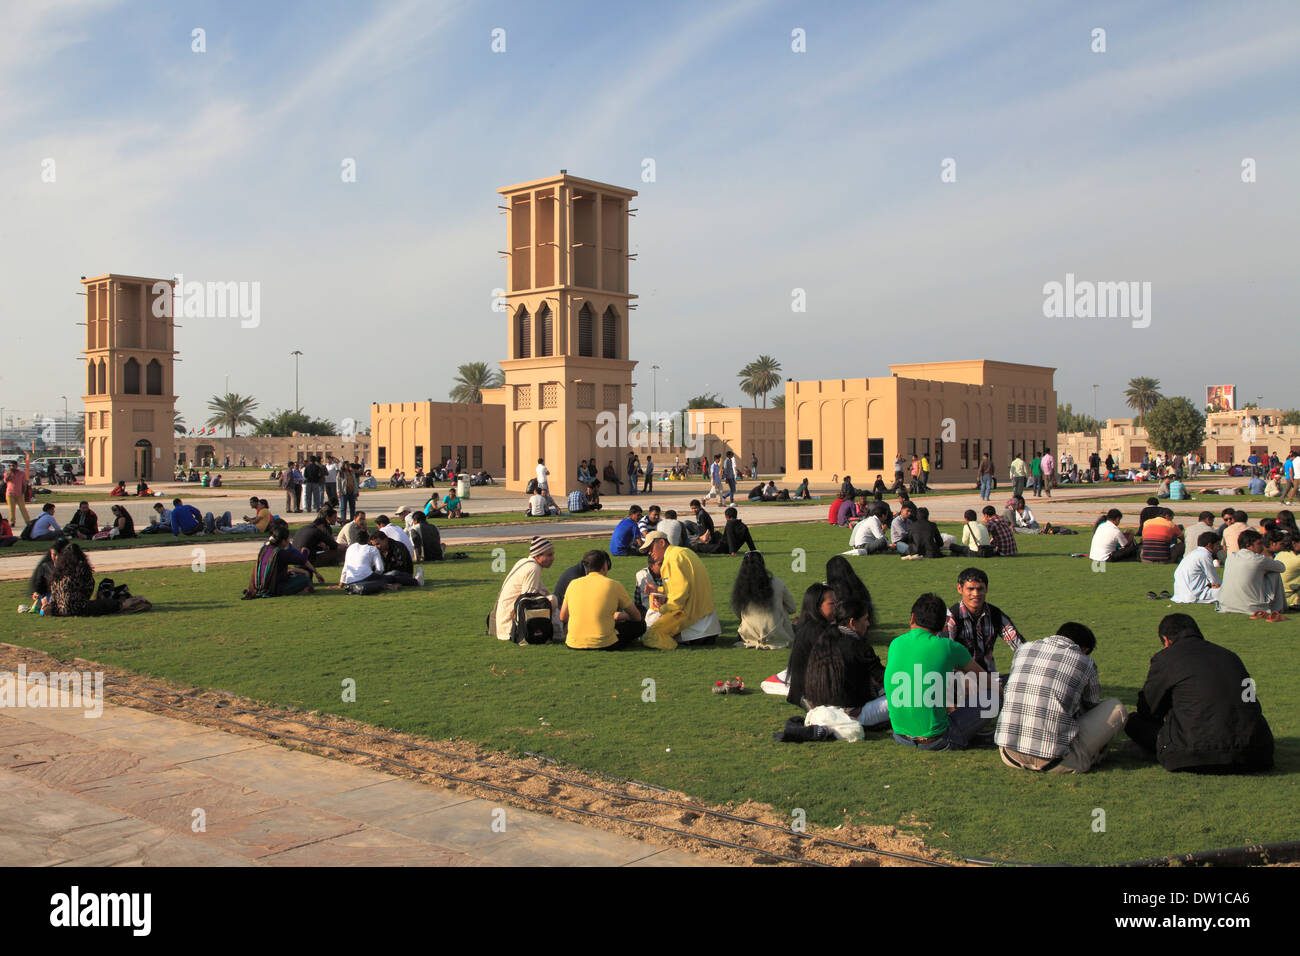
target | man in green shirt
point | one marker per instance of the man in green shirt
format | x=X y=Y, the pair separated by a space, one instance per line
x=1036 y=474
x=920 y=669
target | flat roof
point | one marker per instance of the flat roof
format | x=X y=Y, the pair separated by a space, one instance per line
x=570 y=179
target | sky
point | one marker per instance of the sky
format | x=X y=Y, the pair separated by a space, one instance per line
x=920 y=171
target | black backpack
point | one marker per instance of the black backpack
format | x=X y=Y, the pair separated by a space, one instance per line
x=531 y=488
x=532 y=620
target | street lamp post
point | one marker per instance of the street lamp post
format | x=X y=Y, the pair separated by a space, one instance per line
x=654 y=385
x=64 y=443
x=296 y=407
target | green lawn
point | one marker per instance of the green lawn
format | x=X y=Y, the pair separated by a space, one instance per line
x=422 y=664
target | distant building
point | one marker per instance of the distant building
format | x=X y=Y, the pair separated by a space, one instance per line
x=954 y=412
x=129 y=399
x=1230 y=437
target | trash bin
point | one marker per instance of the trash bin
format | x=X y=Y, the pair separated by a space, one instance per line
x=462 y=487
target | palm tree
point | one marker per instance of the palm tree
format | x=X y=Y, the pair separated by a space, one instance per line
x=759 y=377
x=778 y=402
x=229 y=411
x=178 y=423
x=1142 y=395
x=471 y=378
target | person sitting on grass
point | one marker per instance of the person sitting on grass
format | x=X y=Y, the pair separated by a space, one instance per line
x=1195 y=580
x=397 y=534
x=1234 y=525
x=399 y=567
x=1052 y=717
x=1162 y=540
x=280 y=570
x=735 y=533
x=1000 y=533
x=451 y=504
x=259 y=521
x=649 y=522
x=142 y=487
x=1288 y=554
x=626 y=537
x=185 y=519
x=597 y=612
x=119 y=491
x=815 y=614
x=923 y=539
x=1020 y=518
x=843 y=669
x=920 y=661
x=84 y=523
x=675 y=530
x=426 y=538
x=316 y=544
x=687 y=617
x=72 y=585
x=1252 y=579
x=363 y=567
x=7 y=536
x=975 y=537
x=1192 y=712
x=44 y=528
x=1109 y=543
x=763 y=604
x=802 y=493
x=123 y=525
x=976 y=624
x=869 y=535
x=354 y=531
x=524 y=578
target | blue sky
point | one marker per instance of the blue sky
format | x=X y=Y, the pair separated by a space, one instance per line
x=775 y=170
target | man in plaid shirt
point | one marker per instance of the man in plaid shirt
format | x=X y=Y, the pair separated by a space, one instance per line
x=1053 y=718
x=975 y=624
x=1004 y=538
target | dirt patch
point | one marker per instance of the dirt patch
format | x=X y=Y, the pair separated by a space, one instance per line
x=624 y=807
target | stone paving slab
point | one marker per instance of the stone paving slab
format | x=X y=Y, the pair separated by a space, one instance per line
x=122 y=790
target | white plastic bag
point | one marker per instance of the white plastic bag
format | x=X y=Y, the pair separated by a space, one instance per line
x=837 y=720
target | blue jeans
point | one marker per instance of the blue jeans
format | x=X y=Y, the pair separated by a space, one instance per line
x=347 y=506
x=901 y=547
x=986 y=487
x=963 y=724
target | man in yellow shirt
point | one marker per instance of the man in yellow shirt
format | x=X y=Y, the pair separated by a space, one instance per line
x=1289 y=555
x=688 y=617
x=598 y=612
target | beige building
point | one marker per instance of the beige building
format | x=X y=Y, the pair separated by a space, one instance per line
x=954 y=412
x=253 y=451
x=748 y=432
x=567 y=304
x=411 y=435
x=129 y=399
x=1230 y=437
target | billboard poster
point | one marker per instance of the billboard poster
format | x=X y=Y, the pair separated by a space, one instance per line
x=1221 y=398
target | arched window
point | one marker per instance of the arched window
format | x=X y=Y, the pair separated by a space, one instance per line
x=609 y=334
x=90 y=377
x=131 y=377
x=523 y=334
x=153 y=378
x=545 y=331
x=586 y=331
x=102 y=377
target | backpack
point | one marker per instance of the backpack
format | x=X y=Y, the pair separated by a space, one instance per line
x=531 y=487
x=532 y=620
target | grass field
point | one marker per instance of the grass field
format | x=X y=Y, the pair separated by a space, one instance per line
x=422 y=664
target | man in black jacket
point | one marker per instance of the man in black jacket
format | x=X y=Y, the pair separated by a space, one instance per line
x=1198 y=709
x=923 y=537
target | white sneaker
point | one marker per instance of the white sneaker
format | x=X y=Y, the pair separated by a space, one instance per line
x=22 y=609
x=419 y=575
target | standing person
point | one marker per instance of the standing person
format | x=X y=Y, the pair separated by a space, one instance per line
x=632 y=468
x=649 y=475
x=729 y=474
x=925 y=472
x=1048 y=464
x=313 y=476
x=898 y=470
x=16 y=492
x=347 y=491
x=1191 y=712
x=542 y=472
x=916 y=475
x=715 y=479
x=1018 y=475
x=611 y=475
x=986 y=478
x=332 y=479
x=1036 y=475
x=1290 y=478
x=1094 y=466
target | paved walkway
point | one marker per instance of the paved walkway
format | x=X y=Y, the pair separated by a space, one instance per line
x=124 y=788
x=1063 y=507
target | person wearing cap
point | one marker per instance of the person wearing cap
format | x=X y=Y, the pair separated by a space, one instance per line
x=524 y=578
x=687 y=616
x=597 y=612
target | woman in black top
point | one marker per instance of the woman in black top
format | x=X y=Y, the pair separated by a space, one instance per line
x=843 y=669
x=817 y=613
x=124 y=523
